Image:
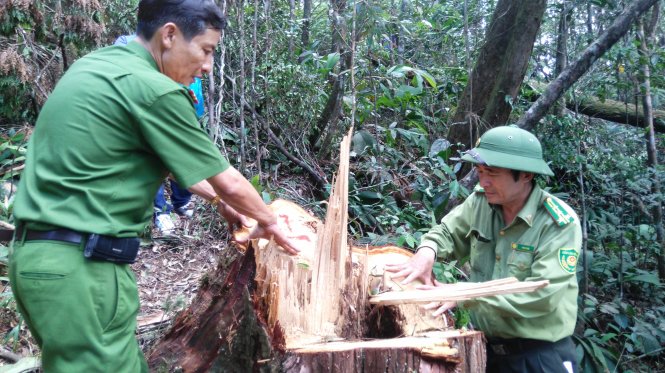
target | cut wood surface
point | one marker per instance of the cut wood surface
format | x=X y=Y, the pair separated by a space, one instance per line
x=459 y=291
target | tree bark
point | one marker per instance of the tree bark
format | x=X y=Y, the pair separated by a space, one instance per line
x=200 y=335
x=578 y=68
x=499 y=69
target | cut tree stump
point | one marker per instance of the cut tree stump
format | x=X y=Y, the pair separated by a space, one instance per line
x=270 y=312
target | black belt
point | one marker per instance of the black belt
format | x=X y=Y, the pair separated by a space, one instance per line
x=98 y=247
x=60 y=234
x=515 y=346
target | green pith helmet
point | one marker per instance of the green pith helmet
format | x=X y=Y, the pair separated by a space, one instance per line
x=509 y=147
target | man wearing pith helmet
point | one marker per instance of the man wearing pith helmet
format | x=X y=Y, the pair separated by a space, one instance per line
x=510 y=227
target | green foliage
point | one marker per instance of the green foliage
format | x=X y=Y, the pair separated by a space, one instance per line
x=404 y=206
x=618 y=325
x=36 y=38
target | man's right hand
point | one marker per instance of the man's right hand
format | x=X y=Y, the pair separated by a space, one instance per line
x=419 y=266
x=233 y=218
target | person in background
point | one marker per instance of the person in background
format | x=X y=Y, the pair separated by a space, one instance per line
x=180 y=197
x=510 y=227
x=117 y=123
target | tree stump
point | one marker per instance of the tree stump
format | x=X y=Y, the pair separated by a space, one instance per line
x=271 y=312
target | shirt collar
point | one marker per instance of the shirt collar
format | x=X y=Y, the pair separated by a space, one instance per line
x=140 y=50
x=528 y=212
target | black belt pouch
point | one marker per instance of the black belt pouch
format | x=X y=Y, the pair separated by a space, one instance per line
x=111 y=249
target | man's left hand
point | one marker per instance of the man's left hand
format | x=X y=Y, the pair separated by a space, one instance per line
x=440 y=307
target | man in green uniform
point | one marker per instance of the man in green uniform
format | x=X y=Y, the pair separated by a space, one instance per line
x=510 y=227
x=116 y=124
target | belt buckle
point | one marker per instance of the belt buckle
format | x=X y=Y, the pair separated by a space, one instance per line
x=499 y=349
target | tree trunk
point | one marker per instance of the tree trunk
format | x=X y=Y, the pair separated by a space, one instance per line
x=215 y=107
x=327 y=125
x=499 y=69
x=404 y=6
x=255 y=126
x=589 y=22
x=562 y=51
x=307 y=15
x=578 y=68
x=652 y=155
x=292 y=23
x=241 y=84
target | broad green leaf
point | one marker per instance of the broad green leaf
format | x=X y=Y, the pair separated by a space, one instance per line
x=331 y=60
x=429 y=78
x=438 y=146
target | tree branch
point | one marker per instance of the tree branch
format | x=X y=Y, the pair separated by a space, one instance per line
x=578 y=68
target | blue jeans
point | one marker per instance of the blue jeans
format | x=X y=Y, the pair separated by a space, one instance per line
x=179 y=198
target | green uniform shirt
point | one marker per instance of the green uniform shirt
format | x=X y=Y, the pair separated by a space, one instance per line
x=108 y=135
x=542 y=243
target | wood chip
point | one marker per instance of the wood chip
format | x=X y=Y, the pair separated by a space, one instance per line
x=459 y=291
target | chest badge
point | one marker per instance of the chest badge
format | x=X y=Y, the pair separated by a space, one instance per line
x=523 y=248
x=568 y=259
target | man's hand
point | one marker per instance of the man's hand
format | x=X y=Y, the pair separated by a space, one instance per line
x=418 y=266
x=273 y=231
x=440 y=307
x=233 y=218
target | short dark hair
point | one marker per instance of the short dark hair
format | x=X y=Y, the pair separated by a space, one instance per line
x=192 y=17
x=516 y=176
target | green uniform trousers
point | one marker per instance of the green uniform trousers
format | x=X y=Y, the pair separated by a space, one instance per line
x=81 y=312
x=532 y=356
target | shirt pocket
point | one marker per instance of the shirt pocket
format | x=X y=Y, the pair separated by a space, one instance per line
x=519 y=264
x=481 y=257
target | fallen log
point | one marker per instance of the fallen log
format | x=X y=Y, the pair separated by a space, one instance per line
x=610 y=110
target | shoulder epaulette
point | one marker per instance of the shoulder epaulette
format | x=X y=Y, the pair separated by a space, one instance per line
x=558 y=212
x=479 y=189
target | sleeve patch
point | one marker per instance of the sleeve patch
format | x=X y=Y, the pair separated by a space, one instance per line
x=557 y=212
x=568 y=259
